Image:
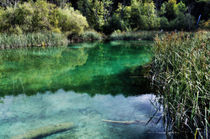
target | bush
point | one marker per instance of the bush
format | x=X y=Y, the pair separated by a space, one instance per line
x=206 y=25
x=91 y=36
x=143 y=16
x=183 y=22
x=164 y=24
x=71 y=21
x=41 y=16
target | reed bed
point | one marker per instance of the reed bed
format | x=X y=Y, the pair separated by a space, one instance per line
x=180 y=70
x=140 y=35
x=91 y=36
x=47 y=39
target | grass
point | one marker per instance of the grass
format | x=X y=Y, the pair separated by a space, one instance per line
x=140 y=35
x=180 y=70
x=47 y=39
x=91 y=36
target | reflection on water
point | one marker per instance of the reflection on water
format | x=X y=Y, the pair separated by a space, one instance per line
x=83 y=84
x=22 y=113
x=102 y=68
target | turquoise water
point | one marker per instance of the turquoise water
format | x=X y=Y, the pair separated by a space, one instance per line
x=83 y=84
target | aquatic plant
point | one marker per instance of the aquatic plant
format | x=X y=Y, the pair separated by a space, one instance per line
x=91 y=36
x=140 y=35
x=32 y=39
x=181 y=71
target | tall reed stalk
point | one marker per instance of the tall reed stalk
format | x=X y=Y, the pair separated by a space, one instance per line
x=32 y=39
x=180 y=70
x=140 y=35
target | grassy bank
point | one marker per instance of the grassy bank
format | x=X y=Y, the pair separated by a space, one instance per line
x=48 y=39
x=87 y=36
x=32 y=39
x=139 y=35
x=181 y=71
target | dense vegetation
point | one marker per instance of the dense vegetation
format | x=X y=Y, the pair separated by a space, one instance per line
x=8 y=41
x=106 y=16
x=181 y=70
x=81 y=20
x=41 y=16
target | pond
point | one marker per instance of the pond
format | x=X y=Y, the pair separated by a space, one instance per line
x=95 y=86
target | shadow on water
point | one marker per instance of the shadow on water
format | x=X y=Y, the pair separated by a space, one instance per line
x=101 y=68
x=127 y=83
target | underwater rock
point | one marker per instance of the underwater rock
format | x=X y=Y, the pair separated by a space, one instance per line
x=44 y=131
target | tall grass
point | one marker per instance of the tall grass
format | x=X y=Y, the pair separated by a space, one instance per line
x=140 y=35
x=181 y=71
x=32 y=39
x=91 y=36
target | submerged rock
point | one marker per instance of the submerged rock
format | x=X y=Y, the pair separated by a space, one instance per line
x=44 y=131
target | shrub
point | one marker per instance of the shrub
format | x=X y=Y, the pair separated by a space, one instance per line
x=41 y=16
x=206 y=25
x=183 y=22
x=71 y=21
x=91 y=36
x=164 y=24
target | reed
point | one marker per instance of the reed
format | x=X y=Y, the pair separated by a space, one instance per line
x=180 y=70
x=140 y=35
x=47 y=39
x=91 y=35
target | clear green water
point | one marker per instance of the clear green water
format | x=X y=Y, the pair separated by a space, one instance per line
x=83 y=84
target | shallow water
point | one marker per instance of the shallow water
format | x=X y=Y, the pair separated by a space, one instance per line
x=83 y=84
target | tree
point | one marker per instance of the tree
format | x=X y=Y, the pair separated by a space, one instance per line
x=143 y=15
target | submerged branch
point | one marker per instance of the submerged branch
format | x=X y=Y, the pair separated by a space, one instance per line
x=44 y=131
x=124 y=122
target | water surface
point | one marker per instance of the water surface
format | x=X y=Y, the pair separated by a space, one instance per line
x=84 y=84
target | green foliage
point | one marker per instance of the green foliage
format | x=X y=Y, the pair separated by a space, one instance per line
x=32 y=39
x=181 y=70
x=41 y=16
x=91 y=36
x=181 y=7
x=206 y=25
x=115 y=23
x=102 y=15
x=140 y=35
x=174 y=16
x=183 y=22
x=97 y=12
x=70 y=21
x=143 y=15
x=171 y=9
x=164 y=24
